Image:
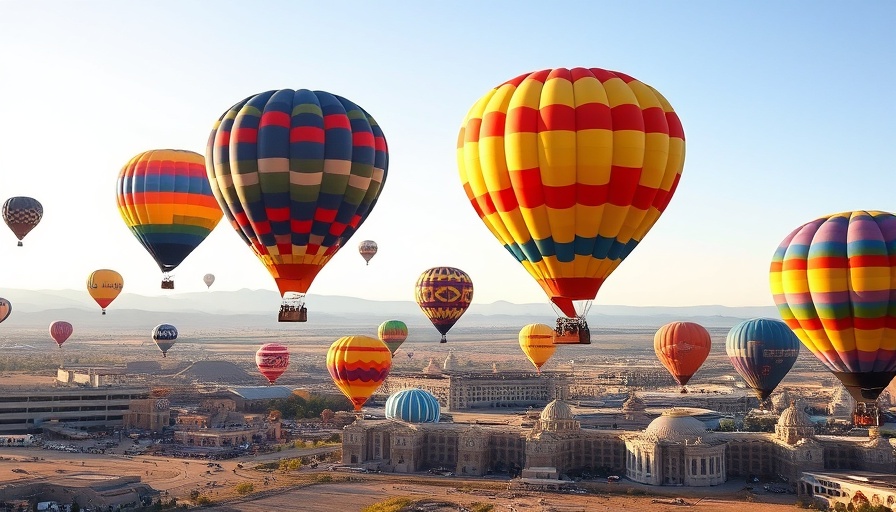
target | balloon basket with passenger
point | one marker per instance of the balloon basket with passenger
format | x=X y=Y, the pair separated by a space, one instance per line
x=572 y=331
x=167 y=281
x=293 y=309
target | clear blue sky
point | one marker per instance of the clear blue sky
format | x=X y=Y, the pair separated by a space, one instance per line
x=788 y=109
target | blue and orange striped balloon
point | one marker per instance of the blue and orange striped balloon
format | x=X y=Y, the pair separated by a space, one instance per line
x=358 y=366
x=569 y=169
x=834 y=282
x=296 y=172
x=166 y=201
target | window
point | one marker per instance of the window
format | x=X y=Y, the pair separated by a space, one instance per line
x=702 y=466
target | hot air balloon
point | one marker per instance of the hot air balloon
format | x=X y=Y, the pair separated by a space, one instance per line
x=367 y=249
x=166 y=201
x=682 y=347
x=60 y=331
x=22 y=214
x=444 y=293
x=392 y=333
x=537 y=342
x=762 y=351
x=569 y=169
x=164 y=335
x=272 y=360
x=834 y=282
x=413 y=406
x=296 y=173
x=104 y=285
x=358 y=365
x=209 y=280
x=5 y=309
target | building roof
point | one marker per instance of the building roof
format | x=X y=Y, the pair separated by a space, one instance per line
x=676 y=425
x=556 y=410
x=261 y=392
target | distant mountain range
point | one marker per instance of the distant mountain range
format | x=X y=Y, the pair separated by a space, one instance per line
x=257 y=309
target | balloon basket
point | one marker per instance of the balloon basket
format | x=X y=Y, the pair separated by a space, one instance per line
x=19 y=244
x=866 y=414
x=292 y=314
x=167 y=284
x=572 y=331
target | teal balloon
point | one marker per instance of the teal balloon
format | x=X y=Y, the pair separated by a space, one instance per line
x=762 y=351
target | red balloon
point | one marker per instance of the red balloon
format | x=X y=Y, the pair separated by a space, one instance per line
x=682 y=347
x=60 y=331
x=272 y=360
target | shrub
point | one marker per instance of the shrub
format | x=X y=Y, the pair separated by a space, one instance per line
x=244 y=488
x=390 y=505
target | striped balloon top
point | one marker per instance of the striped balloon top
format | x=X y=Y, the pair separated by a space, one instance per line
x=413 y=406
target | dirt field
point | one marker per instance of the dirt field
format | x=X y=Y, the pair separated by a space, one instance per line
x=326 y=491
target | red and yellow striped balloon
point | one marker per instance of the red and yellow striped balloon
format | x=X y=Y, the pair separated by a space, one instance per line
x=358 y=366
x=569 y=169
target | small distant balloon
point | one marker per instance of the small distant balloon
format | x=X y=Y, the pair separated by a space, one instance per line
x=272 y=360
x=393 y=333
x=5 y=309
x=537 y=342
x=60 y=331
x=104 y=285
x=209 y=280
x=367 y=248
x=164 y=335
x=22 y=214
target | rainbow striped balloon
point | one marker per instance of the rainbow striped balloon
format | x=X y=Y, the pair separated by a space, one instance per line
x=834 y=282
x=569 y=169
x=358 y=366
x=166 y=201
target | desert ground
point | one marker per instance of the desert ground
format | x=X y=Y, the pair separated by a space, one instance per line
x=320 y=490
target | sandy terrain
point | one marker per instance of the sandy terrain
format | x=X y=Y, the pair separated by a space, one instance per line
x=324 y=491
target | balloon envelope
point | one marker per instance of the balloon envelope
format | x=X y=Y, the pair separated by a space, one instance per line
x=762 y=351
x=209 y=280
x=367 y=249
x=22 y=214
x=413 y=406
x=5 y=309
x=272 y=360
x=537 y=342
x=165 y=199
x=296 y=172
x=392 y=333
x=834 y=282
x=358 y=366
x=569 y=169
x=104 y=285
x=60 y=331
x=164 y=335
x=444 y=294
x=682 y=347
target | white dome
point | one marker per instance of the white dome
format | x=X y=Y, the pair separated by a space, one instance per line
x=676 y=425
x=556 y=410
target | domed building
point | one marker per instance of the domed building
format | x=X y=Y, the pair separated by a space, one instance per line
x=793 y=425
x=675 y=449
x=413 y=406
